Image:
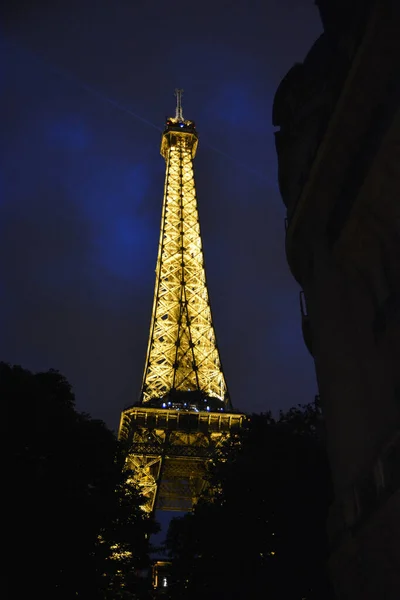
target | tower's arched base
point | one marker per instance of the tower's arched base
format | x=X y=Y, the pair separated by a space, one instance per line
x=168 y=451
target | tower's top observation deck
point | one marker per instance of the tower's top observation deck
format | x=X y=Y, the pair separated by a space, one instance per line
x=179 y=131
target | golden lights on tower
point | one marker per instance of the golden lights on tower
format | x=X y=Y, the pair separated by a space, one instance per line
x=182 y=353
x=184 y=411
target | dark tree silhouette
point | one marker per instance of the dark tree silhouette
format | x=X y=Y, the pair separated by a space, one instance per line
x=262 y=532
x=77 y=528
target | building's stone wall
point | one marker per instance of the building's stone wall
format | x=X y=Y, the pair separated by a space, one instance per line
x=339 y=174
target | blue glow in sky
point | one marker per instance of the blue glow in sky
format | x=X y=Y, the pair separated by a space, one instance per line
x=85 y=90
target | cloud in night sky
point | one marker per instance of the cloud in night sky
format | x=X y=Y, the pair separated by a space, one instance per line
x=81 y=183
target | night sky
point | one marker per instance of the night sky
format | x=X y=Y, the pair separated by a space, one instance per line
x=86 y=86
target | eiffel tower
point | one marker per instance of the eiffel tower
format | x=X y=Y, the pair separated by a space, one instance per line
x=184 y=412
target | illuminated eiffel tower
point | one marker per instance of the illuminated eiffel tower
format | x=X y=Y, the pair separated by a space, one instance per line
x=184 y=412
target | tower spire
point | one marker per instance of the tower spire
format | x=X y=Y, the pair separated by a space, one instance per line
x=178 y=111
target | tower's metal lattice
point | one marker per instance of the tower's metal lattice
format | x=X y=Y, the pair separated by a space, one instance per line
x=184 y=411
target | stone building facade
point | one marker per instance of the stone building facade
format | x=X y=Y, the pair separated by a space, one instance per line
x=338 y=143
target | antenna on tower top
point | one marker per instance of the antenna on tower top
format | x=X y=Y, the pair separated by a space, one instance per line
x=178 y=113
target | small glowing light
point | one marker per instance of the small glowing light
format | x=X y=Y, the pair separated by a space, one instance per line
x=164 y=582
x=207 y=408
x=164 y=405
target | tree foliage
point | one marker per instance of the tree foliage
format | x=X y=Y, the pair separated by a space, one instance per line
x=73 y=508
x=261 y=532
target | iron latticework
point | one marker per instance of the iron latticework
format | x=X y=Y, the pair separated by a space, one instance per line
x=184 y=411
x=182 y=353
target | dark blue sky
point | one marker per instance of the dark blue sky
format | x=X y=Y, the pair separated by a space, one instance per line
x=85 y=88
